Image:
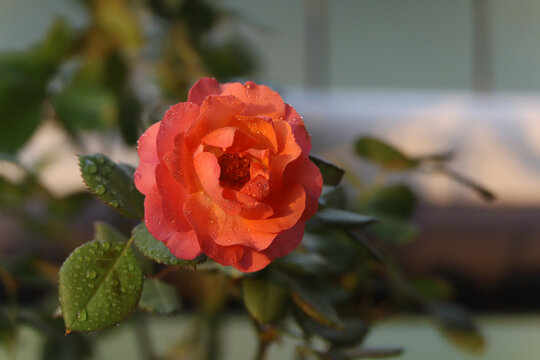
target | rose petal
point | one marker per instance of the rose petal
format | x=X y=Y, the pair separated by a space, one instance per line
x=260 y=99
x=208 y=171
x=229 y=139
x=286 y=241
x=288 y=204
x=288 y=152
x=176 y=121
x=261 y=128
x=180 y=164
x=201 y=89
x=215 y=112
x=252 y=261
x=148 y=160
x=182 y=244
x=298 y=128
x=306 y=173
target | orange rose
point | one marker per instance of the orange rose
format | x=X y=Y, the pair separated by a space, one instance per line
x=227 y=173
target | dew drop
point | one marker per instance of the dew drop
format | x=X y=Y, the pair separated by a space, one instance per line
x=82 y=315
x=114 y=282
x=91 y=274
x=100 y=189
x=100 y=158
x=90 y=166
x=106 y=245
x=114 y=203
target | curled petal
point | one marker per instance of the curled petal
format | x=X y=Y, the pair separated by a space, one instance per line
x=260 y=99
x=286 y=241
x=298 y=128
x=288 y=205
x=201 y=89
x=288 y=152
x=306 y=173
x=252 y=261
x=215 y=112
x=229 y=139
x=148 y=160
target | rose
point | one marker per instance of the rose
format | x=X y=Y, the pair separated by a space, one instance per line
x=227 y=174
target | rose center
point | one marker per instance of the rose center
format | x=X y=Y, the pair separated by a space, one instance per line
x=234 y=170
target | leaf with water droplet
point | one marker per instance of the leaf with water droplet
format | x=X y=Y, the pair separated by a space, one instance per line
x=89 y=283
x=157 y=251
x=113 y=184
x=159 y=297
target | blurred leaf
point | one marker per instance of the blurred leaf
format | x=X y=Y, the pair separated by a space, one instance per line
x=118 y=21
x=383 y=154
x=303 y=263
x=333 y=252
x=74 y=346
x=465 y=181
x=100 y=285
x=265 y=299
x=129 y=117
x=159 y=297
x=366 y=245
x=8 y=331
x=85 y=106
x=395 y=200
x=105 y=232
x=315 y=305
x=370 y=353
x=431 y=287
x=331 y=173
x=441 y=157
x=157 y=251
x=393 y=230
x=58 y=42
x=228 y=60
x=344 y=218
x=24 y=77
x=333 y=197
x=458 y=326
x=112 y=184
x=353 y=332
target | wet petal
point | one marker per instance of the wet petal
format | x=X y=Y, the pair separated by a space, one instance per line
x=176 y=121
x=182 y=244
x=144 y=176
x=201 y=89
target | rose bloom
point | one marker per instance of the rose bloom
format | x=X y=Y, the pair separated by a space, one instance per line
x=227 y=174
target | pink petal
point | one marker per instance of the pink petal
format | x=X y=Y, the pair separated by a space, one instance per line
x=201 y=89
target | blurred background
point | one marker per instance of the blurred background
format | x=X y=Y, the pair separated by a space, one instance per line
x=428 y=76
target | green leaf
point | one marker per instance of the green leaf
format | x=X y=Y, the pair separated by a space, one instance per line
x=344 y=218
x=458 y=326
x=100 y=285
x=331 y=174
x=395 y=200
x=383 y=154
x=157 y=251
x=265 y=299
x=105 y=232
x=113 y=184
x=159 y=297
x=315 y=305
